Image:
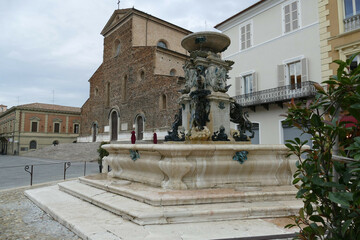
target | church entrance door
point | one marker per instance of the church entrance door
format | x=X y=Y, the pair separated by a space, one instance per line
x=94 y=132
x=140 y=128
x=114 y=126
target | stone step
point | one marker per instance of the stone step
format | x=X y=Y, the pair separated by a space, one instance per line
x=93 y=223
x=164 y=197
x=145 y=214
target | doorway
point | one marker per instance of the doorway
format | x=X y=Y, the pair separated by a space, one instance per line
x=94 y=128
x=140 y=128
x=114 y=126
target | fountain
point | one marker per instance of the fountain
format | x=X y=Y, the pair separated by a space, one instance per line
x=201 y=150
x=205 y=177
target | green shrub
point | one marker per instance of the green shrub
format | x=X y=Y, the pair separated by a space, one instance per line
x=330 y=189
x=102 y=152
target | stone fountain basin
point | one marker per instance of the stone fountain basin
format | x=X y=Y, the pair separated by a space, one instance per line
x=196 y=166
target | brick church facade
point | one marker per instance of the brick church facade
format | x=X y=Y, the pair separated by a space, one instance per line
x=135 y=87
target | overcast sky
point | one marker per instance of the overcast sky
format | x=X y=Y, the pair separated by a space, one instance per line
x=50 y=48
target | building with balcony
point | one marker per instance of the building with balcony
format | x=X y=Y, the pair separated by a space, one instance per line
x=135 y=87
x=339 y=33
x=275 y=45
x=32 y=126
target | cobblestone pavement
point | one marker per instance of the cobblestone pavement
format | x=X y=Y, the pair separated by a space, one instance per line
x=21 y=219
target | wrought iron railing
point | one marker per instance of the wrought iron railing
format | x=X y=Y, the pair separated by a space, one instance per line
x=287 y=236
x=352 y=23
x=279 y=94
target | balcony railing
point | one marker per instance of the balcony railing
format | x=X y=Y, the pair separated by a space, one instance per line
x=276 y=95
x=352 y=23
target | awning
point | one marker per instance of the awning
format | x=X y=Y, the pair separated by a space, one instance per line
x=351 y=121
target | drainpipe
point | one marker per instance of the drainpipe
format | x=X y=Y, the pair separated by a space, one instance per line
x=18 y=145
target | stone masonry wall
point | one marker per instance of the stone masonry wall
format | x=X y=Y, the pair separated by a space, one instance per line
x=129 y=94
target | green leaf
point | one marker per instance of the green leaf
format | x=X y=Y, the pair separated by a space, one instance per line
x=309 y=209
x=317 y=218
x=345 y=226
x=341 y=198
x=301 y=213
x=355 y=170
x=356 y=105
x=316 y=121
x=296 y=180
x=289 y=146
x=290 y=226
x=301 y=192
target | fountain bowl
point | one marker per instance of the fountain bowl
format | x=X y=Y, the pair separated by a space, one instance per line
x=207 y=40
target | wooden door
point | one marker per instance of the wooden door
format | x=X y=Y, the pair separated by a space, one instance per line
x=114 y=126
x=140 y=128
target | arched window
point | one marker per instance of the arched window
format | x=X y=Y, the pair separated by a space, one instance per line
x=94 y=131
x=117 y=48
x=172 y=72
x=32 y=144
x=141 y=75
x=123 y=88
x=108 y=94
x=163 y=101
x=96 y=92
x=162 y=44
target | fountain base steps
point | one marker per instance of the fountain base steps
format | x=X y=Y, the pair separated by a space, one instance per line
x=144 y=214
x=245 y=192
x=91 y=222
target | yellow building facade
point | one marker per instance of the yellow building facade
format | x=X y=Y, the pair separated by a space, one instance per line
x=32 y=126
x=339 y=33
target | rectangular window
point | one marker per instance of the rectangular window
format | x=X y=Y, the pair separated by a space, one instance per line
x=76 y=128
x=291 y=17
x=56 y=127
x=245 y=36
x=294 y=74
x=34 y=126
x=248 y=86
x=355 y=62
x=351 y=7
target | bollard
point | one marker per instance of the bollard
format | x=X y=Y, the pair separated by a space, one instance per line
x=31 y=172
x=66 y=166
x=85 y=168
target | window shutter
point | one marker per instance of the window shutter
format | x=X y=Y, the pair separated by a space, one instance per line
x=281 y=75
x=238 y=86
x=304 y=70
x=254 y=82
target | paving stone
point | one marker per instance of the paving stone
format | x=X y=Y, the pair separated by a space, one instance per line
x=21 y=219
x=68 y=151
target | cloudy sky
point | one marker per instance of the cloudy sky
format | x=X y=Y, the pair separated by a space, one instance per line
x=50 y=48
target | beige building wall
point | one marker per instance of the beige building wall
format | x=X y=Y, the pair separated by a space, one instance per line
x=272 y=48
x=166 y=61
x=143 y=29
